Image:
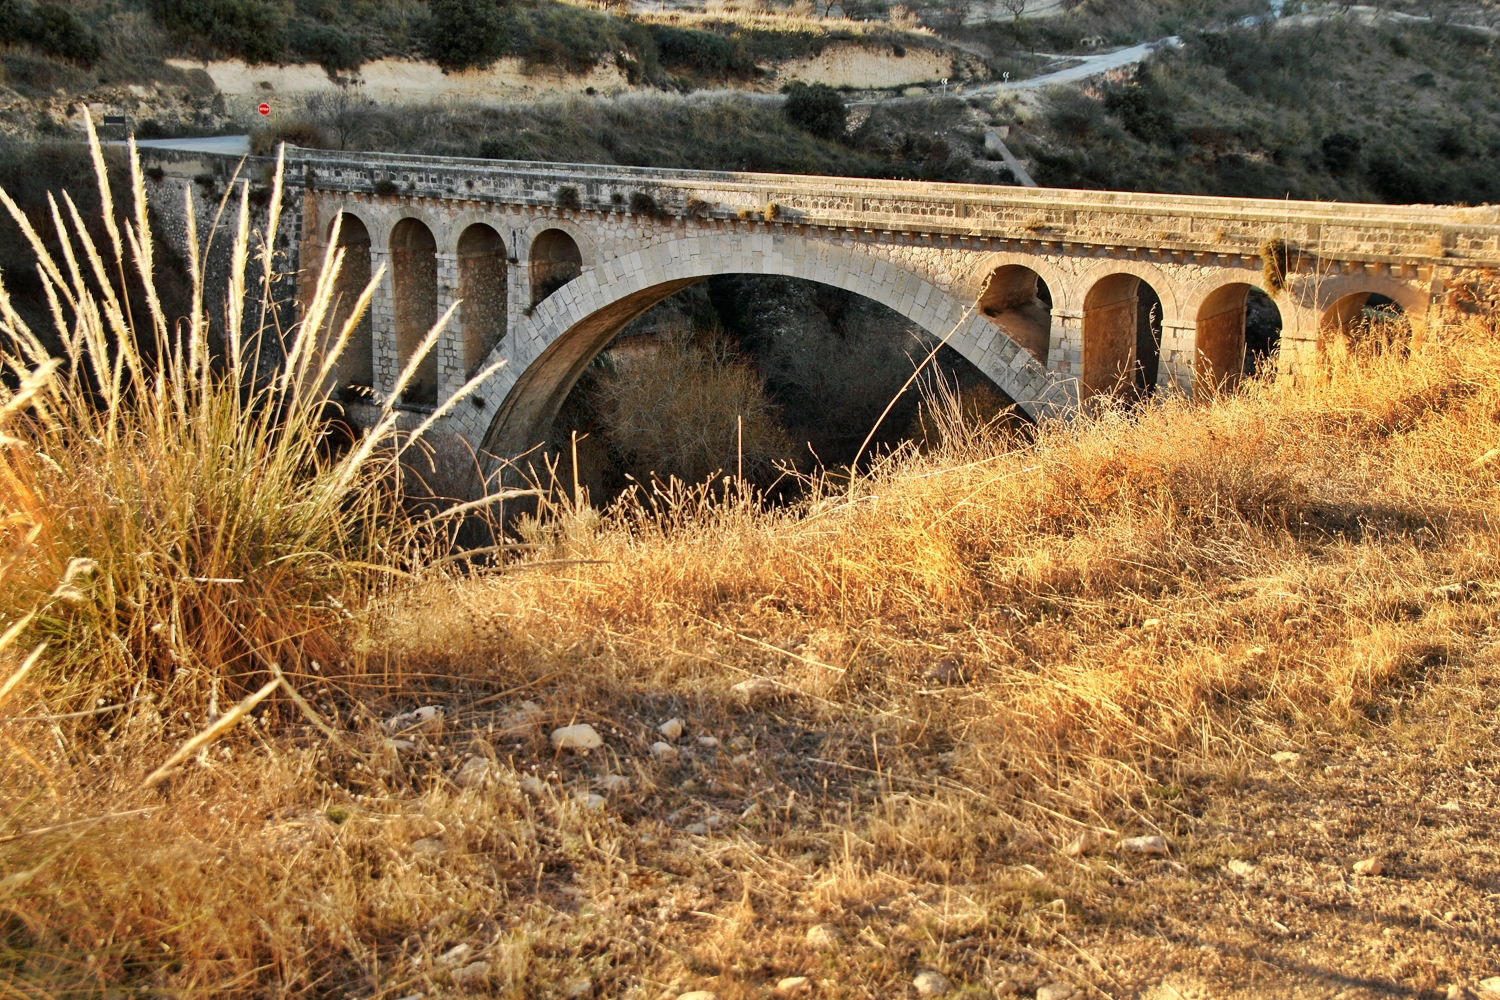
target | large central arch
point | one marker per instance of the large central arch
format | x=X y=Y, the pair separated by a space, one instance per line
x=574 y=323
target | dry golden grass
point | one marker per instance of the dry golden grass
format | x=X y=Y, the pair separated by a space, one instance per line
x=991 y=662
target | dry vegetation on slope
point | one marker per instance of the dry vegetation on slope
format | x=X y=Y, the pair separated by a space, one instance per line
x=988 y=664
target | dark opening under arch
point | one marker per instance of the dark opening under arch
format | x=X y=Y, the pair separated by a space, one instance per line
x=555 y=261
x=1366 y=321
x=1238 y=332
x=1018 y=301
x=1122 y=330
x=482 y=289
x=356 y=365
x=414 y=286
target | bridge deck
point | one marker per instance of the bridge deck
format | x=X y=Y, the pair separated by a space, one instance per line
x=1359 y=232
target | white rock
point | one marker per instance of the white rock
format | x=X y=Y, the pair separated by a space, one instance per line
x=580 y=737
x=1287 y=757
x=740 y=759
x=471 y=975
x=1145 y=845
x=1490 y=987
x=699 y=995
x=613 y=783
x=533 y=785
x=930 y=983
x=708 y=742
x=1242 y=868
x=663 y=751
x=591 y=802
x=579 y=988
x=457 y=955
x=1451 y=807
x=1006 y=988
x=427 y=847
x=760 y=689
x=421 y=718
x=475 y=772
x=399 y=745
x=1079 y=845
x=696 y=829
x=1369 y=866
x=824 y=936
x=1055 y=991
x=793 y=986
x=671 y=729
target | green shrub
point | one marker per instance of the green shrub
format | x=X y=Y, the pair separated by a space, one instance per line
x=467 y=33
x=816 y=109
x=51 y=28
x=704 y=52
x=1142 y=109
x=252 y=29
x=1341 y=152
x=575 y=39
x=567 y=198
x=1392 y=176
x=326 y=45
x=57 y=31
x=12 y=22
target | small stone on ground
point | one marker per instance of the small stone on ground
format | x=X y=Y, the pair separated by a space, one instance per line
x=1145 y=845
x=580 y=737
x=824 y=936
x=930 y=983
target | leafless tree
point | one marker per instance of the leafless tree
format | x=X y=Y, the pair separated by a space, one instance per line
x=342 y=113
x=1015 y=7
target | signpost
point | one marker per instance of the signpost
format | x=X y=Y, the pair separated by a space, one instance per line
x=264 y=109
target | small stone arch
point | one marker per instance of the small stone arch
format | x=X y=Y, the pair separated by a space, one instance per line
x=1018 y=300
x=1231 y=340
x=553 y=260
x=573 y=324
x=385 y=220
x=1332 y=300
x=356 y=365
x=1349 y=318
x=1123 y=321
x=482 y=292
x=414 y=291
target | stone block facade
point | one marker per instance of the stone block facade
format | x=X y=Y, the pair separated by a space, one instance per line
x=929 y=251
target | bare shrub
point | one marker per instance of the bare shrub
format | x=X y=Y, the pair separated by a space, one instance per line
x=691 y=407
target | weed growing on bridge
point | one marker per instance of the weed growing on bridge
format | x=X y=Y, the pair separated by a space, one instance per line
x=925 y=713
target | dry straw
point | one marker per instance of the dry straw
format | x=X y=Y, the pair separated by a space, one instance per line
x=190 y=505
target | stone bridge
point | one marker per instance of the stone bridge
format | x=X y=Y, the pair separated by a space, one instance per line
x=1056 y=295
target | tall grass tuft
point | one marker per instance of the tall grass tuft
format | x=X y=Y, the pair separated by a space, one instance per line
x=201 y=520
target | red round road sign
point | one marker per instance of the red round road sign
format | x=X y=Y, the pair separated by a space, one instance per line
x=264 y=109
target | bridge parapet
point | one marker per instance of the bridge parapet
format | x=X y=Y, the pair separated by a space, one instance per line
x=1401 y=234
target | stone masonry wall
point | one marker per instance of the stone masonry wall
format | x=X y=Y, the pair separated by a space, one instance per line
x=926 y=250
